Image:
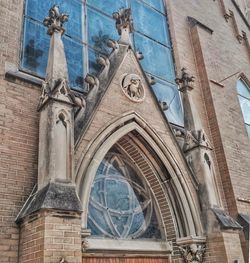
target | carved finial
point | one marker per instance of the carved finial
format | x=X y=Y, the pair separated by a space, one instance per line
x=124 y=25
x=55 y=20
x=186 y=81
x=193 y=253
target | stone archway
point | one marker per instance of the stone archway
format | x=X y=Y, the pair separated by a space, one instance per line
x=117 y=131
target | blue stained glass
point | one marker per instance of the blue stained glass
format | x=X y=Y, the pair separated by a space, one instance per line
x=118 y=206
x=100 y=29
x=157 y=60
x=150 y=22
x=136 y=223
x=157 y=4
x=38 y=10
x=35 y=48
x=74 y=56
x=169 y=93
x=242 y=89
x=102 y=228
x=108 y=6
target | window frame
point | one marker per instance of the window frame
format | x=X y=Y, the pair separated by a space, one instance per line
x=243 y=80
x=87 y=48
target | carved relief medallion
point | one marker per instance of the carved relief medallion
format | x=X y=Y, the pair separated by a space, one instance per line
x=132 y=87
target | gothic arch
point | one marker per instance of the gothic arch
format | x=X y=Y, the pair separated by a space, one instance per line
x=179 y=190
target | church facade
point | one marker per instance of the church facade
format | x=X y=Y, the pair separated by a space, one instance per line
x=125 y=130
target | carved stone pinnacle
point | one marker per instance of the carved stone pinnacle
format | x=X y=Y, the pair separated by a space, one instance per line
x=185 y=81
x=123 y=20
x=55 y=20
x=124 y=24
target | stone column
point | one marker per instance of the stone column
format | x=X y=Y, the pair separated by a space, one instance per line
x=51 y=218
x=219 y=226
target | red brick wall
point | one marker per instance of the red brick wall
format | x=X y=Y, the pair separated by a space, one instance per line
x=48 y=237
x=18 y=159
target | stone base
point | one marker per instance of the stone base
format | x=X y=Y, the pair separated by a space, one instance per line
x=47 y=237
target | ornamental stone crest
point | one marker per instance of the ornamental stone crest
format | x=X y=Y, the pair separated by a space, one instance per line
x=55 y=20
x=132 y=87
x=193 y=253
x=123 y=20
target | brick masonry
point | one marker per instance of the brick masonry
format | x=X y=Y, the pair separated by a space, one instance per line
x=207 y=56
x=47 y=237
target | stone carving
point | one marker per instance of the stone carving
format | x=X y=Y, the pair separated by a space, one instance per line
x=85 y=245
x=151 y=80
x=186 y=80
x=112 y=44
x=60 y=90
x=193 y=253
x=139 y=55
x=124 y=25
x=123 y=20
x=132 y=87
x=55 y=20
x=194 y=139
x=163 y=105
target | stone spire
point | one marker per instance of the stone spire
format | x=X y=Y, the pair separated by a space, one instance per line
x=192 y=124
x=56 y=106
x=57 y=65
x=56 y=183
x=124 y=25
x=191 y=118
x=197 y=148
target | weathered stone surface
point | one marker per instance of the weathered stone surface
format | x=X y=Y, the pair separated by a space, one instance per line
x=55 y=196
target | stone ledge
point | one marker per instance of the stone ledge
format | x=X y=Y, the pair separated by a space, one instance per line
x=53 y=196
x=12 y=73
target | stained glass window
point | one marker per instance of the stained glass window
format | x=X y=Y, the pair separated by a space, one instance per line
x=88 y=29
x=244 y=98
x=120 y=204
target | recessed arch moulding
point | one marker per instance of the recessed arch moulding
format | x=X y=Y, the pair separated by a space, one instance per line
x=173 y=190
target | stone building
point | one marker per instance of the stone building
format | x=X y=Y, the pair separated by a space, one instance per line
x=125 y=129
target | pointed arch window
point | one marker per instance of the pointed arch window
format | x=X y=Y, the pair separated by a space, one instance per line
x=121 y=205
x=89 y=27
x=244 y=98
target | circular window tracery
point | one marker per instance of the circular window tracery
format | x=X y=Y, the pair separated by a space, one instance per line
x=120 y=204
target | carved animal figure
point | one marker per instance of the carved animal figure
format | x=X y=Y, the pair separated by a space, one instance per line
x=132 y=85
